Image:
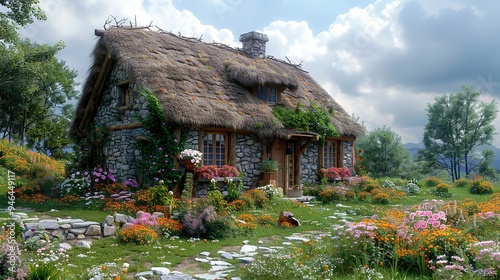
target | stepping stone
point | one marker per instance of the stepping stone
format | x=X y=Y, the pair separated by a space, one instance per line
x=246 y=249
x=227 y=255
x=218 y=268
x=145 y=274
x=297 y=238
x=266 y=250
x=207 y=276
x=220 y=263
x=205 y=254
x=160 y=270
x=203 y=260
x=175 y=275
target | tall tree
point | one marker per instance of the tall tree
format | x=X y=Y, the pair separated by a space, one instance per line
x=34 y=85
x=458 y=124
x=383 y=153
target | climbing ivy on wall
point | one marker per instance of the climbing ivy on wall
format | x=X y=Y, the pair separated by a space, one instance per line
x=314 y=118
x=160 y=146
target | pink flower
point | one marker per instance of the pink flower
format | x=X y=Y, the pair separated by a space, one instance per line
x=436 y=223
x=412 y=216
x=442 y=215
x=420 y=224
x=435 y=216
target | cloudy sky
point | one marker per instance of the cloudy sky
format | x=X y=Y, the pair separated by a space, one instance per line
x=383 y=61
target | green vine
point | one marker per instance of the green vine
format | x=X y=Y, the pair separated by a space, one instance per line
x=160 y=147
x=314 y=118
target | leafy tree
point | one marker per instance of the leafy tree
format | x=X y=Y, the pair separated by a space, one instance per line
x=17 y=13
x=458 y=124
x=34 y=85
x=484 y=167
x=383 y=153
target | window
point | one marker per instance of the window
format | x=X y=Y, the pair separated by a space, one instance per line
x=329 y=154
x=214 y=149
x=269 y=94
x=123 y=94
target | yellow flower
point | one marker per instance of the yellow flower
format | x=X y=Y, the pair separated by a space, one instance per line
x=325 y=267
x=103 y=267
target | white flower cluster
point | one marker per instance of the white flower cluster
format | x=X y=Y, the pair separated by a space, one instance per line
x=193 y=155
x=271 y=191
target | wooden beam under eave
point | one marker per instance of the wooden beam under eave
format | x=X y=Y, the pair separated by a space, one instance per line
x=124 y=126
x=304 y=146
x=95 y=98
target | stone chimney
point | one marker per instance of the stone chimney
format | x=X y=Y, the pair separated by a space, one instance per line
x=254 y=43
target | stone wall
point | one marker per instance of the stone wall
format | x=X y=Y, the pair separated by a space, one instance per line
x=248 y=159
x=347 y=145
x=309 y=165
x=119 y=148
x=74 y=229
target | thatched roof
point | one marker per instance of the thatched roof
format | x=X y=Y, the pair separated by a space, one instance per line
x=206 y=85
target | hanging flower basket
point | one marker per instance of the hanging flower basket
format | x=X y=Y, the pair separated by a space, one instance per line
x=190 y=166
x=191 y=158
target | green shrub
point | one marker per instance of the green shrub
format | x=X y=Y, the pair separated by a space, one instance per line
x=331 y=195
x=480 y=186
x=431 y=182
x=138 y=234
x=258 y=196
x=381 y=198
x=247 y=198
x=462 y=183
x=219 y=227
x=363 y=195
x=441 y=189
x=368 y=187
x=233 y=191
x=216 y=198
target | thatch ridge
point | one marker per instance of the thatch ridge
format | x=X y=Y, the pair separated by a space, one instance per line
x=207 y=85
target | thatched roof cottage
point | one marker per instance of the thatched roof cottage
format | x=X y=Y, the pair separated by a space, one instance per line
x=218 y=94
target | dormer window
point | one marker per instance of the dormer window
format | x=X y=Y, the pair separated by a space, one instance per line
x=268 y=94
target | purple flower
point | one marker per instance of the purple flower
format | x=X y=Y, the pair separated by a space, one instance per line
x=103 y=177
x=159 y=149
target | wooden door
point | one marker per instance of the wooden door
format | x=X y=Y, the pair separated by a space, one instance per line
x=279 y=154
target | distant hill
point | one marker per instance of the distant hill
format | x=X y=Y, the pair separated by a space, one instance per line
x=414 y=148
